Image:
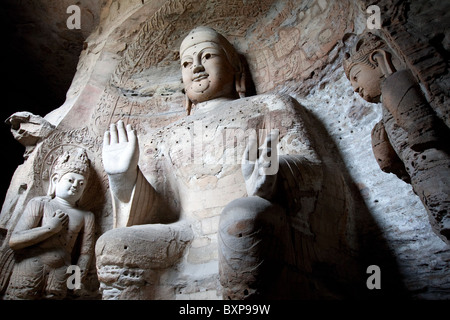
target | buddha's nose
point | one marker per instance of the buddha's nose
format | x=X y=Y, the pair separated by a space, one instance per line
x=76 y=184
x=198 y=68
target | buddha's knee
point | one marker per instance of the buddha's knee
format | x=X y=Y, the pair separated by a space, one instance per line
x=252 y=233
x=155 y=246
x=251 y=219
x=132 y=261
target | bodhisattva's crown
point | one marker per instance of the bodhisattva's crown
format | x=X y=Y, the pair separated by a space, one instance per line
x=75 y=160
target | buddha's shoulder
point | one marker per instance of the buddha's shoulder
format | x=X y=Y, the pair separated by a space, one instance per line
x=41 y=200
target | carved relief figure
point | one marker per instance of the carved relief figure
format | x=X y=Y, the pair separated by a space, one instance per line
x=48 y=232
x=265 y=204
x=410 y=140
x=29 y=129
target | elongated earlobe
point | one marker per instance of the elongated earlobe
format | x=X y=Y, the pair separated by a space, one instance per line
x=240 y=84
x=52 y=187
x=188 y=105
x=383 y=59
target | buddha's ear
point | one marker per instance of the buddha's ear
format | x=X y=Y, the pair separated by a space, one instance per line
x=52 y=187
x=240 y=84
x=188 y=105
x=383 y=59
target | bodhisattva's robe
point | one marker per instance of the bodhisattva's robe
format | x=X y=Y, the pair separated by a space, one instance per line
x=40 y=270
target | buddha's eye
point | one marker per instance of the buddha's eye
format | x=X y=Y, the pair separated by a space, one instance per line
x=207 y=56
x=187 y=64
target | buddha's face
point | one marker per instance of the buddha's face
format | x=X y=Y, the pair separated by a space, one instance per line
x=70 y=186
x=367 y=82
x=207 y=73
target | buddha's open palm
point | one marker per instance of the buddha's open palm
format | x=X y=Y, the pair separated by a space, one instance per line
x=258 y=168
x=120 y=149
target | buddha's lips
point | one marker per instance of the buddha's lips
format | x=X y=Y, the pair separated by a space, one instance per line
x=200 y=76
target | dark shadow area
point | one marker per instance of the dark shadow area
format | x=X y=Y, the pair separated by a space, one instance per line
x=25 y=87
x=365 y=244
x=339 y=255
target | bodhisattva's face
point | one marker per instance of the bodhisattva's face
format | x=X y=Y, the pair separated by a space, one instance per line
x=70 y=187
x=207 y=73
x=367 y=82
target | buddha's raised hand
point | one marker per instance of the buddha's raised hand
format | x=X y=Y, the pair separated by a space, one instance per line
x=120 y=157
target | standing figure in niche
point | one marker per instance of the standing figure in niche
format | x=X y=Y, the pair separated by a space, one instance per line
x=410 y=140
x=48 y=231
x=273 y=209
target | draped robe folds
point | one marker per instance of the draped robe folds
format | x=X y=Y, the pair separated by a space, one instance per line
x=407 y=114
x=40 y=269
x=193 y=166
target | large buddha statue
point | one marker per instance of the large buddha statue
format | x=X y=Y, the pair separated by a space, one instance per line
x=249 y=160
x=410 y=140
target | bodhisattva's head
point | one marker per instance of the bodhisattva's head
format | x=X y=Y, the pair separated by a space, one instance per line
x=367 y=65
x=211 y=67
x=71 y=175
